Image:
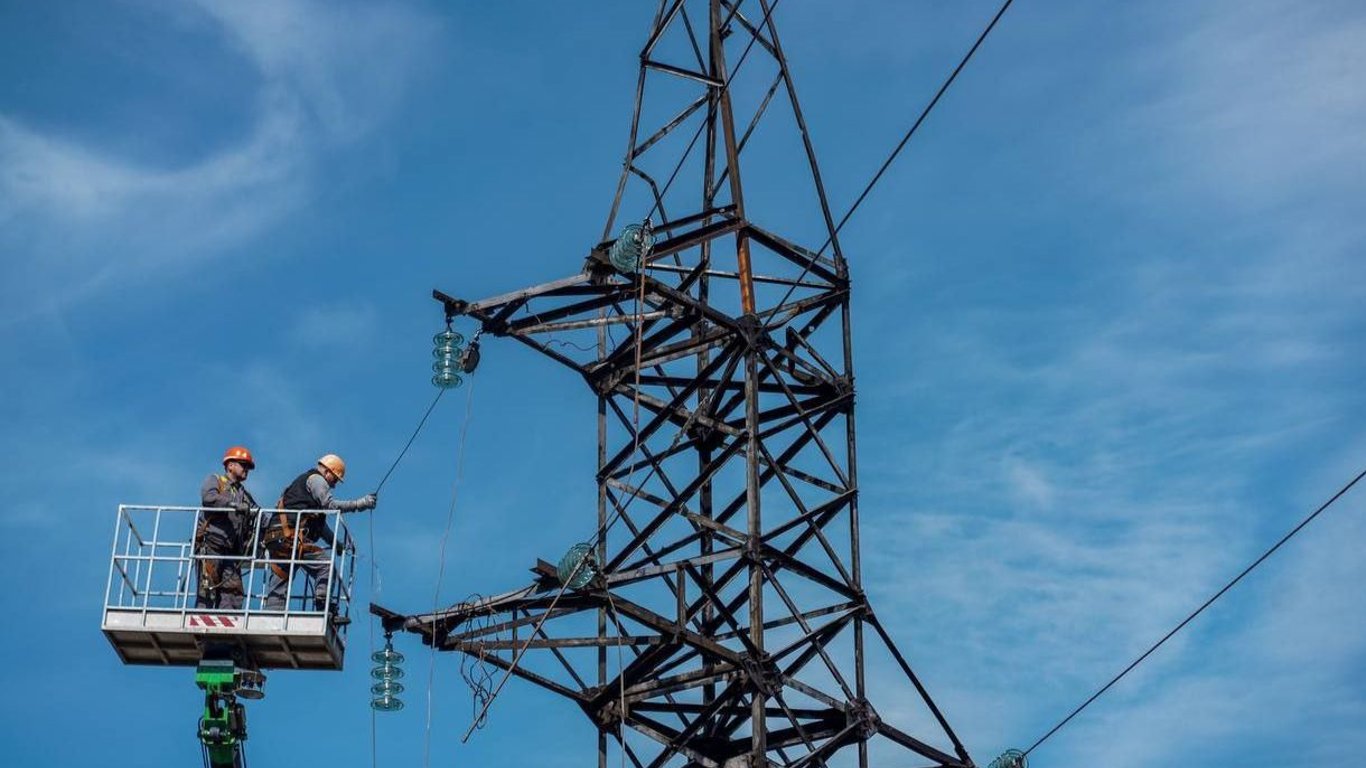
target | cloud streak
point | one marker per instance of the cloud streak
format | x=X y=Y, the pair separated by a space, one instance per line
x=78 y=219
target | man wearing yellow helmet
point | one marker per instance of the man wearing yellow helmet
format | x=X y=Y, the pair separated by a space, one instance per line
x=295 y=536
x=225 y=526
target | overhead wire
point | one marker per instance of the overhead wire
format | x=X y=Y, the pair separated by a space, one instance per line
x=1325 y=505
x=421 y=422
x=924 y=113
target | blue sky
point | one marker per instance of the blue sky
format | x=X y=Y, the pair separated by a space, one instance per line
x=1108 y=311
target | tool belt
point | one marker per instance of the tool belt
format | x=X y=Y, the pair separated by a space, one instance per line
x=286 y=542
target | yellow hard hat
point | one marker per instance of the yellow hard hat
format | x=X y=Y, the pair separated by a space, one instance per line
x=334 y=463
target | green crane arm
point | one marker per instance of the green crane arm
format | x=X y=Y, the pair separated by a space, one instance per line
x=223 y=726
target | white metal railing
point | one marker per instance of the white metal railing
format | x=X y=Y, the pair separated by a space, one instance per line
x=153 y=565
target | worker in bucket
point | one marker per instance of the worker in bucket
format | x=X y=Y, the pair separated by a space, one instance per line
x=226 y=523
x=306 y=538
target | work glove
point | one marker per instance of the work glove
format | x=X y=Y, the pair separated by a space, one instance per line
x=368 y=501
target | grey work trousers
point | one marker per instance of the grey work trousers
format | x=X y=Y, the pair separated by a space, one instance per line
x=315 y=564
x=219 y=581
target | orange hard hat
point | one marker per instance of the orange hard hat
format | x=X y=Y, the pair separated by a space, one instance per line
x=239 y=454
x=334 y=463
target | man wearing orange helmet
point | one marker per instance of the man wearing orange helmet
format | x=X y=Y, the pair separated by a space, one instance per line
x=225 y=526
x=294 y=536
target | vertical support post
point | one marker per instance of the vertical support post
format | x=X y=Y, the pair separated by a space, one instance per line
x=602 y=527
x=737 y=194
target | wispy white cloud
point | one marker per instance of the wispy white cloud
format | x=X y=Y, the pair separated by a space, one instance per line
x=316 y=325
x=1104 y=465
x=76 y=218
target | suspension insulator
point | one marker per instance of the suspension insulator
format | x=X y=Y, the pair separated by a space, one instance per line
x=385 y=691
x=632 y=248
x=1011 y=758
x=448 y=351
x=387 y=672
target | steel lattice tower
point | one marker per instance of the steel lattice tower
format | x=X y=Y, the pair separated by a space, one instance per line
x=726 y=621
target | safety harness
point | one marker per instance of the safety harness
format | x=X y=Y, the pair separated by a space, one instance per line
x=284 y=540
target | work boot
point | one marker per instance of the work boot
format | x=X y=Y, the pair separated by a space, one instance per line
x=320 y=604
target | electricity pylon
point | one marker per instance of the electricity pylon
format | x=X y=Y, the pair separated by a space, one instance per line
x=719 y=613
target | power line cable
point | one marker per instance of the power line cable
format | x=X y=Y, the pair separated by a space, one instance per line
x=924 y=113
x=1341 y=492
x=411 y=438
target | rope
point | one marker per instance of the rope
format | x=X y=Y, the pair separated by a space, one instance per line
x=374 y=755
x=441 y=569
x=1341 y=492
x=621 y=679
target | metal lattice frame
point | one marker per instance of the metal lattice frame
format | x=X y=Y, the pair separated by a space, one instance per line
x=727 y=621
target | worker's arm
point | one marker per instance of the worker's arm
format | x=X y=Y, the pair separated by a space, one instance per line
x=322 y=494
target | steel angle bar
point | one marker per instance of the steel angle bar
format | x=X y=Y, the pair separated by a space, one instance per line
x=678 y=740
x=535 y=678
x=622 y=578
x=733 y=9
x=795 y=565
x=808 y=260
x=668 y=127
x=662 y=22
x=800 y=712
x=620 y=362
x=794 y=361
x=812 y=645
x=692 y=218
x=920 y=688
x=704 y=339
x=916 y=745
x=691 y=238
x=782 y=314
x=797 y=445
x=504 y=626
x=672 y=743
x=815 y=522
x=710 y=675
x=705 y=475
x=826 y=510
x=460 y=307
x=575 y=325
x=632 y=491
x=733 y=386
x=674 y=411
x=832 y=736
x=474 y=646
x=807 y=614
x=683 y=72
x=645 y=616
x=811 y=479
x=654 y=187
x=539 y=632
x=840 y=738
x=729 y=275
x=533 y=321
